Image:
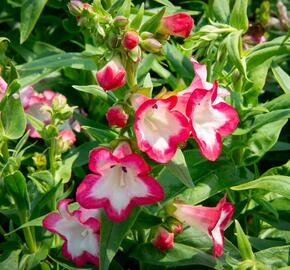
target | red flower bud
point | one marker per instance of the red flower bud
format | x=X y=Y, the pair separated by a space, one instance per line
x=116 y=116
x=112 y=75
x=130 y=40
x=67 y=136
x=179 y=24
x=163 y=239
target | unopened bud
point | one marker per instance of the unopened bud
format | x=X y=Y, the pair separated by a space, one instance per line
x=145 y=35
x=151 y=45
x=65 y=140
x=130 y=40
x=135 y=54
x=121 y=21
x=163 y=239
x=39 y=160
x=75 y=7
x=58 y=102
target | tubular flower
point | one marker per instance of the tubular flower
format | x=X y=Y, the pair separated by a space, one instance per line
x=179 y=24
x=3 y=87
x=116 y=116
x=159 y=128
x=80 y=231
x=130 y=40
x=119 y=182
x=210 y=119
x=112 y=75
x=211 y=220
x=199 y=81
x=163 y=239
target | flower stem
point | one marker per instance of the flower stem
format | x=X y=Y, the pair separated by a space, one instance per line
x=29 y=239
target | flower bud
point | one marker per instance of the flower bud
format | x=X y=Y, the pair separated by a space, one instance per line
x=65 y=140
x=75 y=7
x=130 y=40
x=112 y=75
x=3 y=87
x=163 y=239
x=121 y=21
x=59 y=102
x=39 y=160
x=151 y=45
x=135 y=54
x=179 y=24
x=174 y=225
x=116 y=116
x=145 y=35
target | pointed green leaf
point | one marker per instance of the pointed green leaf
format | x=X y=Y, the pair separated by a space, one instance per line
x=244 y=243
x=178 y=167
x=136 y=22
x=125 y=9
x=220 y=10
x=63 y=173
x=112 y=234
x=239 y=18
x=281 y=77
x=152 y=23
x=30 y=12
x=274 y=183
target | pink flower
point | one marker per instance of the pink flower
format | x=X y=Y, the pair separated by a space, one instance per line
x=3 y=87
x=67 y=136
x=211 y=220
x=210 y=119
x=130 y=40
x=80 y=231
x=163 y=239
x=199 y=81
x=158 y=127
x=116 y=116
x=179 y=24
x=112 y=75
x=119 y=182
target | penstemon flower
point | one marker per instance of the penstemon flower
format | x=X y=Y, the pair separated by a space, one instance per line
x=119 y=182
x=210 y=119
x=179 y=24
x=112 y=75
x=3 y=87
x=80 y=231
x=158 y=127
x=211 y=220
x=163 y=239
x=116 y=116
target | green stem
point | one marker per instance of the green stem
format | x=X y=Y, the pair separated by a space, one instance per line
x=130 y=74
x=52 y=168
x=5 y=151
x=29 y=239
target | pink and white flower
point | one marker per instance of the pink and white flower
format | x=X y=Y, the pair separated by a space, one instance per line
x=211 y=220
x=158 y=127
x=163 y=239
x=80 y=230
x=120 y=181
x=112 y=75
x=3 y=87
x=116 y=116
x=210 y=119
x=199 y=82
x=179 y=24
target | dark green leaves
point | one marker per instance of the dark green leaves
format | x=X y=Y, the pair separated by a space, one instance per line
x=30 y=12
x=152 y=23
x=112 y=234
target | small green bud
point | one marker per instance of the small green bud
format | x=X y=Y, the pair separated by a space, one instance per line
x=151 y=45
x=121 y=21
x=39 y=160
x=145 y=35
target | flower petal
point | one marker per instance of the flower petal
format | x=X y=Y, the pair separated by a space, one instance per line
x=122 y=150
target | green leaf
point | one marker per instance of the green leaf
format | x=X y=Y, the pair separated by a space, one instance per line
x=30 y=12
x=36 y=123
x=274 y=183
x=13 y=118
x=9 y=260
x=180 y=63
x=165 y=3
x=261 y=141
x=16 y=186
x=281 y=77
x=125 y=9
x=220 y=10
x=178 y=167
x=179 y=255
x=136 y=22
x=239 y=18
x=101 y=135
x=233 y=44
x=244 y=243
x=274 y=257
x=97 y=91
x=284 y=170
x=73 y=60
x=63 y=172
x=152 y=23
x=146 y=221
x=112 y=234
x=279 y=103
